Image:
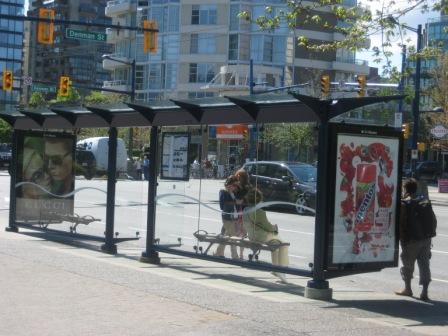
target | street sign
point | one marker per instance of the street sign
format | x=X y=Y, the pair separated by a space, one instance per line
x=414 y=154
x=398 y=119
x=85 y=35
x=439 y=131
x=44 y=88
x=27 y=80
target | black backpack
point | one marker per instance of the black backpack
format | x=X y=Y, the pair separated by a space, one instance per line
x=421 y=220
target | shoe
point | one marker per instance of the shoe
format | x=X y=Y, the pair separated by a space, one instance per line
x=281 y=276
x=424 y=297
x=404 y=292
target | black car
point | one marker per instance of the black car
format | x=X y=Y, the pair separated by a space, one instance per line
x=428 y=170
x=291 y=182
x=5 y=155
x=85 y=163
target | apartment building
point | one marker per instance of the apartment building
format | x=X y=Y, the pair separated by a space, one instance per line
x=11 y=45
x=205 y=49
x=79 y=59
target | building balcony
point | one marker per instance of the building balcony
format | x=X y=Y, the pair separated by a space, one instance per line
x=114 y=36
x=119 y=85
x=118 y=7
x=115 y=61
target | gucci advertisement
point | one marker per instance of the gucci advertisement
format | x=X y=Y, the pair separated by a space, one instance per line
x=45 y=176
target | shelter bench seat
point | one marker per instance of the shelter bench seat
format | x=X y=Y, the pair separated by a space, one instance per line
x=256 y=247
x=54 y=218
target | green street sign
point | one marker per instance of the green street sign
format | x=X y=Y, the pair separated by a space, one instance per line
x=36 y=87
x=85 y=35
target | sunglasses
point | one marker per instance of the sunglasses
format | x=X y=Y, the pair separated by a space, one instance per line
x=56 y=159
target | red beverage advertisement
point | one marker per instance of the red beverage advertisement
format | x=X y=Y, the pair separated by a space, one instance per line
x=365 y=196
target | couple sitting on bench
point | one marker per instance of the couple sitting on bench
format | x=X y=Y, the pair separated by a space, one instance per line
x=255 y=224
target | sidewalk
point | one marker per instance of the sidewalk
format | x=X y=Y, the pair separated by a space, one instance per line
x=436 y=197
x=53 y=289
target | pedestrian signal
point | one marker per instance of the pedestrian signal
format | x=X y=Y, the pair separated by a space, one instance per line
x=45 y=29
x=406 y=131
x=64 y=86
x=150 y=37
x=325 y=85
x=362 y=85
x=7 y=80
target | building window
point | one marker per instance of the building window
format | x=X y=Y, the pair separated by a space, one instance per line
x=233 y=47
x=202 y=44
x=203 y=14
x=201 y=73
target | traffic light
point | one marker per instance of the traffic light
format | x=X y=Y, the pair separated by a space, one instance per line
x=421 y=146
x=149 y=37
x=406 y=131
x=64 y=86
x=362 y=85
x=45 y=30
x=325 y=85
x=7 y=80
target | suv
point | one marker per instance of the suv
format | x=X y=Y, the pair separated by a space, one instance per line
x=291 y=182
x=428 y=170
x=5 y=155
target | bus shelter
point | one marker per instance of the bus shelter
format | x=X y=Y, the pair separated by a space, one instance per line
x=356 y=185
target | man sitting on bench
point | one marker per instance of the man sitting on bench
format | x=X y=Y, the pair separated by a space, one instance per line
x=260 y=230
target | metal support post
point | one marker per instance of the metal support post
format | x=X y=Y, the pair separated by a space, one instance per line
x=416 y=101
x=109 y=245
x=318 y=287
x=131 y=130
x=12 y=187
x=150 y=255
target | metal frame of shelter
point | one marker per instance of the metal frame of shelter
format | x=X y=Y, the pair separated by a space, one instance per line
x=253 y=109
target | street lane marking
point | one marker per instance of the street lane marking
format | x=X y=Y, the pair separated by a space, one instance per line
x=301 y=232
x=437 y=251
x=296 y=256
x=433 y=279
x=138 y=229
x=442 y=235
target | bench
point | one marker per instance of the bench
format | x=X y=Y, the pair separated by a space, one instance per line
x=54 y=218
x=256 y=247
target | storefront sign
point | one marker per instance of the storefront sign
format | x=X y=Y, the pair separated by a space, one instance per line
x=439 y=131
x=231 y=132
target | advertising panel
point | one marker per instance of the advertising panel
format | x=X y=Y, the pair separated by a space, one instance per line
x=45 y=176
x=231 y=132
x=175 y=158
x=364 y=218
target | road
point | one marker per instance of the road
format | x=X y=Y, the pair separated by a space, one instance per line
x=179 y=215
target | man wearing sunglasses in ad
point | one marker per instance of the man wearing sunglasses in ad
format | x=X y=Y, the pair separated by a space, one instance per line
x=59 y=164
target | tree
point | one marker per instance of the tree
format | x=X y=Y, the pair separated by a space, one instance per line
x=296 y=137
x=37 y=99
x=5 y=131
x=358 y=22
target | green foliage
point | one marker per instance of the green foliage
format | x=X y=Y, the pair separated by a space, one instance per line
x=96 y=97
x=289 y=135
x=73 y=96
x=5 y=131
x=354 y=24
x=37 y=99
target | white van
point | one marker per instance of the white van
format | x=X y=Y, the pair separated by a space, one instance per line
x=99 y=146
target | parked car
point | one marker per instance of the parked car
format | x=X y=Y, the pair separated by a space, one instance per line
x=428 y=170
x=292 y=182
x=5 y=155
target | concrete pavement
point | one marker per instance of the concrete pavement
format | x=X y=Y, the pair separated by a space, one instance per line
x=47 y=288
x=436 y=197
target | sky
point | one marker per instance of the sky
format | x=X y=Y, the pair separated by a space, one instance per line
x=412 y=19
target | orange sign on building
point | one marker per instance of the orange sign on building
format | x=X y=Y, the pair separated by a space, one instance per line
x=231 y=132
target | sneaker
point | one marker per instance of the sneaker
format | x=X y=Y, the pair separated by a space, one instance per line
x=281 y=276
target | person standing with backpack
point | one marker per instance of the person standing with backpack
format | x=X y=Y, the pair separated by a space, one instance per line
x=417 y=227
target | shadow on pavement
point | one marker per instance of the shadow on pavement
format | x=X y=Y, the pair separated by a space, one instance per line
x=432 y=313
